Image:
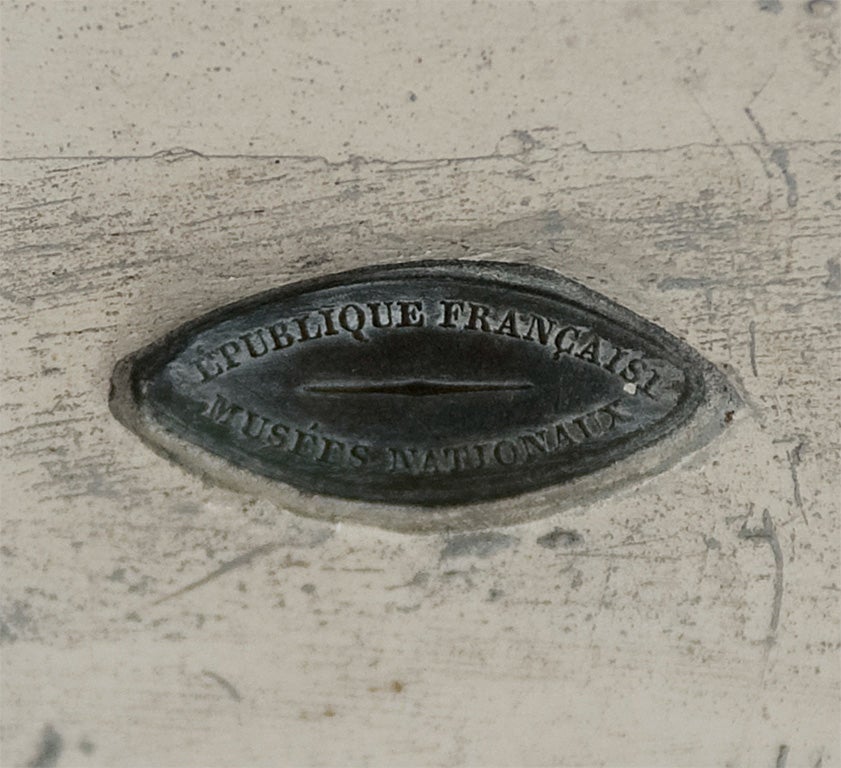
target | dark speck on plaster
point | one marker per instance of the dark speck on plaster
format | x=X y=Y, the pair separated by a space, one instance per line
x=420 y=579
x=821 y=7
x=773 y=6
x=559 y=536
x=6 y=633
x=86 y=746
x=49 y=750
x=482 y=544
x=552 y=222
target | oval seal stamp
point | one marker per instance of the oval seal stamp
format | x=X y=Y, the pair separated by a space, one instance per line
x=419 y=395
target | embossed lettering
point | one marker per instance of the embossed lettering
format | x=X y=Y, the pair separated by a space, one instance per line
x=229 y=350
x=280 y=336
x=254 y=425
x=476 y=382
x=359 y=455
x=535 y=444
x=505 y=452
x=206 y=374
x=405 y=458
x=564 y=341
x=305 y=334
x=257 y=349
x=376 y=320
x=508 y=326
x=410 y=314
x=279 y=434
x=329 y=322
x=352 y=319
x=586 y=347
x=329 y=450
x=478 y=318
x=452 y=311
x=542 y=326
x=221 y=410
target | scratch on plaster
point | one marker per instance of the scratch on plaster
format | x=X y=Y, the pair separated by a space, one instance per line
x=44 y=204
x=757 y=125
x=779 y=156
x=752 y=332
x=758 y=91
x=793 y=461
x=761 y=131
x=232 y=691
x=175 y=154
x=721 y=141
x=768 y=533
x=266 y=180
x=833 y=268
x=237 y=562
x=407 y=162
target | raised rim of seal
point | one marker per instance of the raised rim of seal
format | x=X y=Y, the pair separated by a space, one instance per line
x=711 y=411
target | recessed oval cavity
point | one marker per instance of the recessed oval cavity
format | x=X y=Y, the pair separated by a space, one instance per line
x=428 y=384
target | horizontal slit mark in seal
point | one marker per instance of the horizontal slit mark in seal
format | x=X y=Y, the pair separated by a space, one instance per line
x=414 y=388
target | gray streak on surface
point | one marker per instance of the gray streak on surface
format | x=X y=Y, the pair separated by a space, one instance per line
x=780 y=157
x=559 y=536
x=481 y=544
x=49 y=749
x=833 y=268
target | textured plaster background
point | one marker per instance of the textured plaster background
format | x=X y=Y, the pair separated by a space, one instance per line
x=682 y=158
x=411 y=80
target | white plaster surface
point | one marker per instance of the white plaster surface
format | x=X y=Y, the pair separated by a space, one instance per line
x=682 y=158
